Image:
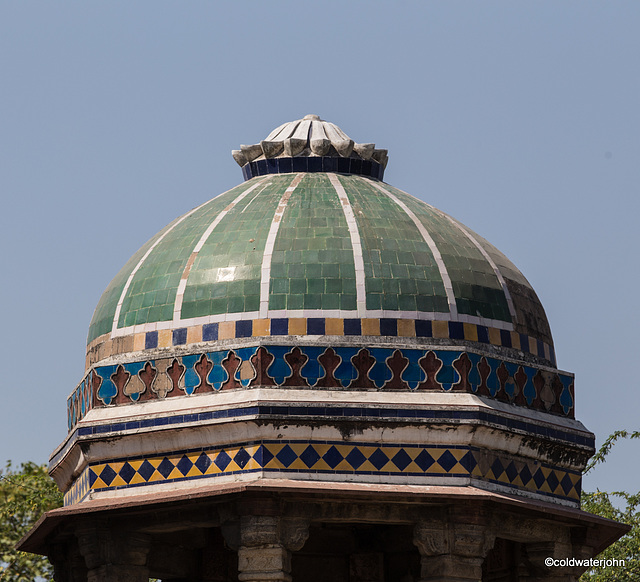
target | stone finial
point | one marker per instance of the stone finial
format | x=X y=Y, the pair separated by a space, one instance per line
x=308 y=137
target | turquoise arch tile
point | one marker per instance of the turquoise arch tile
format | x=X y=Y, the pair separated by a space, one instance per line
x=380 y=373
x=279 y=370
x=346 y=371
x=312 y=371
x=190 y=378
x=566 y=400
x=413 y=374
x=529 y=390
x=107 y=391
x=447 y=376
x=218 y=375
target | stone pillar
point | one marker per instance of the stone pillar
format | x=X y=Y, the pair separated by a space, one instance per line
x=264 y=544
x=114 y=555
x=540 y=571
x=68 y=563
x=451 y=552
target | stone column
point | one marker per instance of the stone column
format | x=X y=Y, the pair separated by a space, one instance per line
x=451 y=552
x=540 y=571
x=264 y=544
x=114 y=555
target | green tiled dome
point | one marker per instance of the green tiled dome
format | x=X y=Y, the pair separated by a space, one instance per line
x=317 y=246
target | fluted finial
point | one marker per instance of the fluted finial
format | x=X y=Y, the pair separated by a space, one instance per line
x=309 y=137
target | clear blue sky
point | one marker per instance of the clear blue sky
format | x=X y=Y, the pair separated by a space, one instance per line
x=521 y=119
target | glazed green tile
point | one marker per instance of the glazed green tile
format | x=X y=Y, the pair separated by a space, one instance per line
x=348 y=301
x=295 y=301
x=297 y=286
x=277 y=301
x=464 y=261
x=312 y=301
x=313 y=241
x=315 y=286
x=333 y=285
x=390 y=301
x=374 y=301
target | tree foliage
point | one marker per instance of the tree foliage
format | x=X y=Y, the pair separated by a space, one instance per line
x=25 y=494
x=619 y=506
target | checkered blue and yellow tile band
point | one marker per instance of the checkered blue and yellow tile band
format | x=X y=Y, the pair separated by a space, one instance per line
x=328 y=458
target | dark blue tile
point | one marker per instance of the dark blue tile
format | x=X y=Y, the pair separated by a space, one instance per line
x=356 y=166
x=280 y=326
x=423 y=328
x=261 y=167
x=366 y=168
x=272 y=165
x=315 y=326
x=246 y=172
x=151 y=340
x=505 y=338
x=210 y=332
x=244 y=328
x=524 y=342
x=389 y=327
x=329 y=164
x=286 y=165
x=343 y=165
x=315 y=164
x=254 y=169
x=352 y=327
x=180 y=336
x=483 y=334
x=540 y=348
x=299 y=164
x=456 y=330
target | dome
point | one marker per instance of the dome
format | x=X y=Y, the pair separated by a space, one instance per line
x=314 y=252
x=314 y=323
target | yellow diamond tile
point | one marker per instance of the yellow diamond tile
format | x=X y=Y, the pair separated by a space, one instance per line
x=136 y=464
x=99 y=484
x=343 y=465
x=156 y=476
x=137 y=478
x=367 y=466
x=298 y=464
x=175 y=474
x=118 y=482
x=194 y=472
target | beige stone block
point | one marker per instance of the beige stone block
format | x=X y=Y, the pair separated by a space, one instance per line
x=470 y=332
x=370 y=327
x=533 y=346
x=227 y=330
x=494 y=336
x=164 y=338
x=261 y=327
x=138 y=342
x=194 y=334
x=334 y=326
x=406 y=328
x=440 y=329
x=515 y=340
x=298 y=326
